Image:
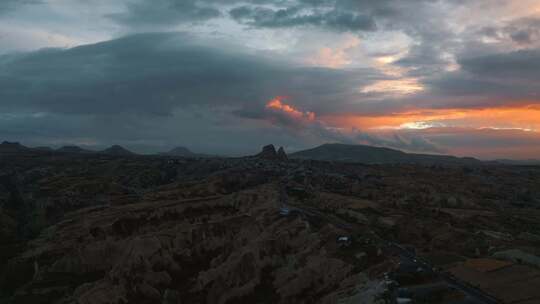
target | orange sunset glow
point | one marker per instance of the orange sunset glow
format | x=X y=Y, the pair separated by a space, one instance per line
x=445 y=76
x=525 y=118
x=476 y=131
x=278 y=105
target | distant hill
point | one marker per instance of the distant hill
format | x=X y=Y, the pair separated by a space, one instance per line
x=180 y=151
x=117 y=151
x=185 y=152
x=12 y=147
x=376 y=155
x=523 y=162
x=44 y=149
x=73 y=149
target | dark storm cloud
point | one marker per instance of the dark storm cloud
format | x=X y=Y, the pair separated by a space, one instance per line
x=521 y=65
x=151 y=89
x=423 y=59
x=487 y=75
x=155 y=73
x=294 y=16
x=142 y=13
x=424 y=21
x=523 y=31
x=9 y=5
x=164 y=12
x=154 y=89
x=344 y=15
x=521 y=36
x=488 y=80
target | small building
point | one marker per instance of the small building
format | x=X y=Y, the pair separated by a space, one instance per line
x=344 y=241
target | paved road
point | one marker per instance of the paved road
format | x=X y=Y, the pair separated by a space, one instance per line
x=467 y=289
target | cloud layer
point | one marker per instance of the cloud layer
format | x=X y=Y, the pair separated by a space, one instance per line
x=438 y=76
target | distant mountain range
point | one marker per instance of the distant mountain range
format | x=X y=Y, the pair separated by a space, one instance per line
x=180 y=151
x=73 y=149
x=184 y=152
x=7 y=147
x=15 y=147
x=520 y=162
x=376 y=155
x=117 y=150
x=327 y=152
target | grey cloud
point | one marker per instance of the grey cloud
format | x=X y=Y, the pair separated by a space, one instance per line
x=423 y=59
x=420 y=19
x=156 y=73
x=486 y=80
x=305 y=127
x=164 y=12
x=489 y=74
x=523 y=65
x=522 y=36
x=160 y=13
x=9 y=5
x=157 y=89
x=342 y=15
x=523 y=31
x=203 y=130
x=424 y=21
x=483 y=80
x=296 y=16
x=462 y=85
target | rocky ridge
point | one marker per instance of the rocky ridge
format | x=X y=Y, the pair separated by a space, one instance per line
x=269 y=153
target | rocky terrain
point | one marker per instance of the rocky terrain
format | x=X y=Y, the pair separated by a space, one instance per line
x=125 y=228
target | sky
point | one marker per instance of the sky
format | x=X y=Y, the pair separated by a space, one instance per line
x=458 y=77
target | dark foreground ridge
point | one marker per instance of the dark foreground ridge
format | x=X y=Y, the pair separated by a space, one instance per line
x=100 y=228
